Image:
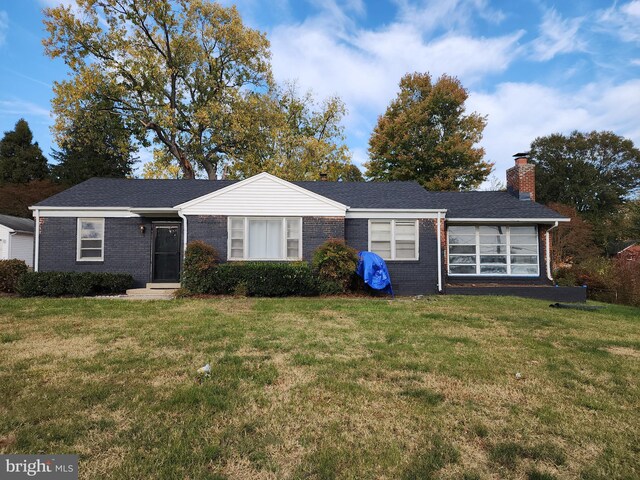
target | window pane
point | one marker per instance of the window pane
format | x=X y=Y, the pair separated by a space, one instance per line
x=292 y=248
x=91 y=244
x=493 y=269
x=528 y=230
x=293 y=230
x=524 y=259
x=462 y=269
x=381 y=232
x=462 y=231
x=91 y=229
x=493 y=259
x=524 y=270
x=265 y=239
x=381 y=248
x=493 y=249
x=90 y=253
x=462 y=239
x=493 y=239
x=405 y=230
x=524 y=240
x=489 y=230
x=405 y=249
x=464 y=259
x=524 y=249
x=462 y=249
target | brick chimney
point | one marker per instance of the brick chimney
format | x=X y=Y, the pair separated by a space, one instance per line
x=521 y=178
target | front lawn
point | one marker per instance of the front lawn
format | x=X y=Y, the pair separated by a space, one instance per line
x=323 y=388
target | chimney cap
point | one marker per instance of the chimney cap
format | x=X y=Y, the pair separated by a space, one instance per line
x=522 y=155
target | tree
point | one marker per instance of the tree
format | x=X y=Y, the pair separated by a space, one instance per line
x=426 y=136
x=21 y=160
x=16 y=198
x=181 y=70
x=594 y=172
x=294 y=138
x=161 y=167
x=573 y=242
x=94 y=143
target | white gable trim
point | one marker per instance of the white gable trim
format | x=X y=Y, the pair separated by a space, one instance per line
x=250 y=180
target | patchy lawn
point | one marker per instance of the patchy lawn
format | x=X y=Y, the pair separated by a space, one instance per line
x=323 y=388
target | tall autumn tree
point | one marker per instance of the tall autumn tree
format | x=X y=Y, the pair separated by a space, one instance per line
x=21 y=159
x=303 y=140
x=181 y=70
x=425 y=135
x=94 y=143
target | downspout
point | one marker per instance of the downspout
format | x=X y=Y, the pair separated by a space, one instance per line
x=184 y=232
x=439 y=256
x=548 y=250
x=36 y=252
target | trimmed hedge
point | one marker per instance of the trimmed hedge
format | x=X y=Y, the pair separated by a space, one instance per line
x=259 y=279
x=76 y=284
x=10 y=273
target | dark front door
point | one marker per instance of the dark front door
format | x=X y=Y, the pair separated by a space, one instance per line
x=166 y=253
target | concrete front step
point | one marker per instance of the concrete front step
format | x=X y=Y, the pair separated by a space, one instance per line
x=151 y=293
x=163 y=286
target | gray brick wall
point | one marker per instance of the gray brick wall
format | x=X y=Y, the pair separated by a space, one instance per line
x=210 y=229
x=126 y=249
x=317 y=230
x=407 y=277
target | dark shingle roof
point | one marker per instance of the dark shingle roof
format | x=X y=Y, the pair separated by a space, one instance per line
x=17 y=223
x=489 y=205
x=137 y=193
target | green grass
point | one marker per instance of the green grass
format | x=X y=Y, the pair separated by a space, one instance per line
x=323 y=388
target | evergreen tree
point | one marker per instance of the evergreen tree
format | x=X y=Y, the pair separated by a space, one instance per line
x=95 y=143
x=21 y=160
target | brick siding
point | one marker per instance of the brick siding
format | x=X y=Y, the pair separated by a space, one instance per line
x=407 y=277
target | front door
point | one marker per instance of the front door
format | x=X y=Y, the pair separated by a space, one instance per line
x=166 y=252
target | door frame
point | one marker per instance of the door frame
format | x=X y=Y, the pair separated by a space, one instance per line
x=154 y=226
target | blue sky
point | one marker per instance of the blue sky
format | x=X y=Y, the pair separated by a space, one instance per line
x=533 y=67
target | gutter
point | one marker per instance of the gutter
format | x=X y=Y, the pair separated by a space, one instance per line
x=548 y=251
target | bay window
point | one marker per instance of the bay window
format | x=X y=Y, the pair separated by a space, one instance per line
x=264 y=238
x=394 y=239
x=493 y=250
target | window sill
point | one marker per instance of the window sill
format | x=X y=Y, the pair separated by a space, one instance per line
x=91 y=262
x=489 y=275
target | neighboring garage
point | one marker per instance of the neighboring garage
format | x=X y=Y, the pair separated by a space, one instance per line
x=16 y=238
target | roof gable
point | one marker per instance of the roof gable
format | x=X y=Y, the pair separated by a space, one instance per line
x=263 y=195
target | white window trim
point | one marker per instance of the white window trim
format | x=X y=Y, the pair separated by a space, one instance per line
x=508 y=245
x=393 y=238
x=79 y=242
x=245 y=240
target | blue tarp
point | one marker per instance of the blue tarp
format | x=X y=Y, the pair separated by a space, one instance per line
x=374 y=272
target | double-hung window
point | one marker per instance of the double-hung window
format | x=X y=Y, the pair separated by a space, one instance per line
x=493 y=250
x=265 y=238
x=90 y=243
x=394 y=239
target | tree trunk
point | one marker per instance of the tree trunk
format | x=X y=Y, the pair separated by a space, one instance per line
x=185 y=164
x=211 y=168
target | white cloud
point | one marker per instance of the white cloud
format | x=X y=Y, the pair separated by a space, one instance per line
x=23 y=107
x=557 y=35
x=520 y=112
x=4 y=26
x=622 y=21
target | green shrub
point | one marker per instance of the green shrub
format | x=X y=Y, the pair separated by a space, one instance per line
x=259 y=279
x=199 y=259
x=335 y=263
x=76 y=284
x=10 y=273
